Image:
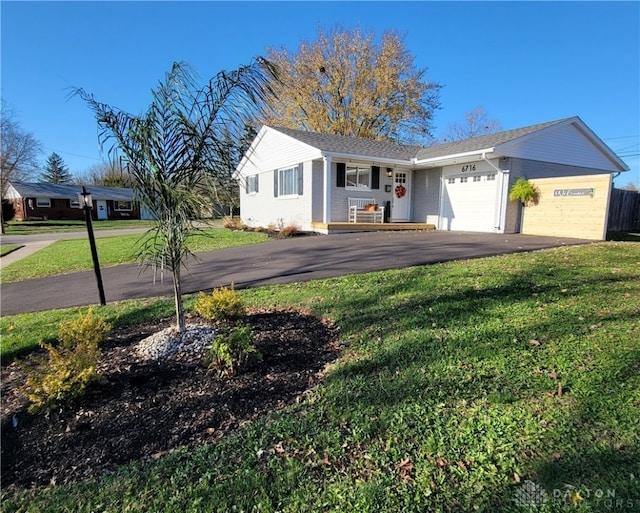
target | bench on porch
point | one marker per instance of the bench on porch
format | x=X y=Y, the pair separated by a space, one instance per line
x=365 y=210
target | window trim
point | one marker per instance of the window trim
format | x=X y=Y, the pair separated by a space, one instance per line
x=116 y=208
x=253 y=184
x=357 y=168
x=296 y=170
x=43 y=202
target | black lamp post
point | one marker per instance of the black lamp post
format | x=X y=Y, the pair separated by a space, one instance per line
x=87 y=205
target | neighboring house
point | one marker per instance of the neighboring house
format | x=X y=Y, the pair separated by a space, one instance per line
x=307 y=179
x=35 y=201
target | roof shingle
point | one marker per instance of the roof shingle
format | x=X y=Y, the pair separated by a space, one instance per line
x=68 y=191
x=384 y=149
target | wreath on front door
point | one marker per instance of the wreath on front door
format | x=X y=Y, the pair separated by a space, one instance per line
x=400 y=191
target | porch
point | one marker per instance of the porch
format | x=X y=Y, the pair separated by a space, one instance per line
x=343 y=227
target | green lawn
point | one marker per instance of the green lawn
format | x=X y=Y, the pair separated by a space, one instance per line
x=67 y=256
x=32 y=227
x=5 y=249
x=462 y=386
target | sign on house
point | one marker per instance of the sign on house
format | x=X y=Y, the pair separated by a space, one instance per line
x=559 y=193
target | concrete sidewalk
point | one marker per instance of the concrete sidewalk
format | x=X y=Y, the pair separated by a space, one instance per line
x=28 y=248
x=34 y=243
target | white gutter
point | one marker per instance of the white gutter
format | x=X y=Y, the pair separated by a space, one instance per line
x=466 y=156
x=347 y=157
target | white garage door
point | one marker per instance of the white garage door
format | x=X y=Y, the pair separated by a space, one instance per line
x=469 y=202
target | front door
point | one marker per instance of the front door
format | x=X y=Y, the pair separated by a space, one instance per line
x=401 y=199
x=101 y=209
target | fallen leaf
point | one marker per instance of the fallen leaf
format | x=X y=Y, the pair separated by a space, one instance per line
x=441 y=462
x=516 y=477
x=405 y=467
x=406 y=463
x=534 y=342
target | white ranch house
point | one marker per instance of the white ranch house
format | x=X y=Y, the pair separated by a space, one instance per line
x=321 y=182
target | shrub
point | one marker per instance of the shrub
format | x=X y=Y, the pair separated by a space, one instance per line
x=66 y=370
x=8 y=211
x=288 y=231
x=234 y=223
x=223 y=303
x=233 y=348
x=272 y=227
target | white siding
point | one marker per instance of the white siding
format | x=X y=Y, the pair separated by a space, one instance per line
x=263 y=209
x=12 y=193
x=565 y=145
x=275 y=150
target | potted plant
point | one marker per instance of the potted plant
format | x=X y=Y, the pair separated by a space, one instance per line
x=525 y=192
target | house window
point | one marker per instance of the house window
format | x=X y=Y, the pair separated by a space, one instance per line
x=491 y=177
x=477 y=178
x=451 y=180
x=122 y=205
x=288 y=181
x=43 y=202
x=74 y=203
x=252 y=184
x=464 y=179
x=358 y=177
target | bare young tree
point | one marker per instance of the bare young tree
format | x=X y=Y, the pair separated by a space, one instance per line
x=351 y=83
x=109 y=174
x=476 y=123
x=19 y=151
x=177 y=148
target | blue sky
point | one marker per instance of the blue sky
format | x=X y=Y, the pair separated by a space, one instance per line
x=524 y=62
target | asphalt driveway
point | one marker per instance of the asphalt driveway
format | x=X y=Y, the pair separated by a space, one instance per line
x=276 y=261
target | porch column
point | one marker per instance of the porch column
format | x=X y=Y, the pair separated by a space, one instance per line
x=326 y=206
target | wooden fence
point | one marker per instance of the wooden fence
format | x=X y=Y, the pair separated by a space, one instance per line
x=624 y=211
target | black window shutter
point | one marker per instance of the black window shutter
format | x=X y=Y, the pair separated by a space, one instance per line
x=341 y=179
x=246 y=185
x=257 y=182
x=375 y=177
x=300 y=179
x=275 y=183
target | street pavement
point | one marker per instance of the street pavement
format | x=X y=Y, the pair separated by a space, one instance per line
x=290 y=260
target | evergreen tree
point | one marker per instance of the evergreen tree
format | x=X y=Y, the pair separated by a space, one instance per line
x=55 y=170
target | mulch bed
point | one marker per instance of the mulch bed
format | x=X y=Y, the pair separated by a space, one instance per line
x=144 y=409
